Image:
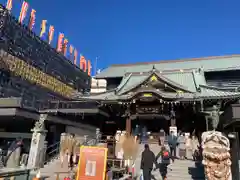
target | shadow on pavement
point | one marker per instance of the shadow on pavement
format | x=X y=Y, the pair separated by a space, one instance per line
x=197 y=172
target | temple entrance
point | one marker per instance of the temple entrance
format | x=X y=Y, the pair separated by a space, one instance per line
x=152 y=124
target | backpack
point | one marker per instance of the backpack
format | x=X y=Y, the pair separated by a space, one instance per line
x=166 y=157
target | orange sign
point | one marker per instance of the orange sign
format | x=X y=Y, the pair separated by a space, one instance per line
x=92 y=163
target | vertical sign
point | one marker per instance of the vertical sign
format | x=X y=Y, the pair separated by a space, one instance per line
x=43 y=27
x=32 y=19
x=59 y=42
x=92 y=163
x=75 y=57
x=65 y=44
x=23 y=12
x=83 y=63
x=9 y=5
x=50 y=34
x=89 y=67
x=71 y=48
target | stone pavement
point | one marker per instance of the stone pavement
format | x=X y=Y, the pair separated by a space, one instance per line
x=179 y=170
x=185 y=170
x=53 y=167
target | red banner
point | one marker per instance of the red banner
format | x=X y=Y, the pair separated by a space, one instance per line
x=92 y=163
x=50 y=34
x=65 y=44
x=83 y=63
x=60 y=41
x=89 y=67
x=75 y=57
x=9 y=5
x=23 y=12
x=32 y=19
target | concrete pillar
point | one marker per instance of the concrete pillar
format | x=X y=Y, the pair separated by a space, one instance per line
x=128 y=126
x=38 y=144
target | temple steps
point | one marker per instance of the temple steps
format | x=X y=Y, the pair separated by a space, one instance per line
x=185 y=170
x=180 y=169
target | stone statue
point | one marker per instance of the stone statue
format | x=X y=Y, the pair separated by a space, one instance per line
x=216 y=156
x=39 y=125
x=215 y=117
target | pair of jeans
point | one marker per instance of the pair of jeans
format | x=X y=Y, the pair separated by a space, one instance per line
x=173 y=153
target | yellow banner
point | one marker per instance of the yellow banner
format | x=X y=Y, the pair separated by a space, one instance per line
x=43 y=27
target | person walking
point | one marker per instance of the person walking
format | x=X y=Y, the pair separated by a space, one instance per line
x=163 y=166
x=162 y=136
x=172 y=142
x=147 y=161
x=182 y=146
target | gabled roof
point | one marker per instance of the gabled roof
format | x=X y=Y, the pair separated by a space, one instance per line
x=192 y=83
x=177 y=80
x=208 y=64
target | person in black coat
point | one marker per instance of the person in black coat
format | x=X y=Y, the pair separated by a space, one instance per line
x=147 y=161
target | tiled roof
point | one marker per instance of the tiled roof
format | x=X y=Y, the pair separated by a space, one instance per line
x=214 y=92
x=193 y=81
x=183 y=80
x=208 y=64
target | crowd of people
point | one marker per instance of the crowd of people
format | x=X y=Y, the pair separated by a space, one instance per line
x=172 y=146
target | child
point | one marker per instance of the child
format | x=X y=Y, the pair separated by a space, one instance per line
x=165 y=155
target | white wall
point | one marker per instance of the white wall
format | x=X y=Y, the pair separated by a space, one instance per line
x=98 y=85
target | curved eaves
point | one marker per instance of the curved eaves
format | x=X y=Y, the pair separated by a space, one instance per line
x=123 y=83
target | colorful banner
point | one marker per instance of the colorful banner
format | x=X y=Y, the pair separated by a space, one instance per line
x=59 y=42
x=9 y=5
x=62 y=43
x=43 y=28
x=75 y=57
x=89 y=67
x=83 y=63
x=65 y=44
x=32 y=19
x=23 y=12
x=50 y=34
x=92 y=163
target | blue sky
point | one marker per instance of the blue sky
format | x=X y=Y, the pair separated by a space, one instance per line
x=127 y=31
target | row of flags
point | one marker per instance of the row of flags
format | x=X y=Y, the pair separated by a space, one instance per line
x=62 y=42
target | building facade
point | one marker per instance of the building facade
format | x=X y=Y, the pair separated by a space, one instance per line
x=183 y=92
x=33 y=78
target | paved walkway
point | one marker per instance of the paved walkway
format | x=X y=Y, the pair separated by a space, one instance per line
x=180 y=169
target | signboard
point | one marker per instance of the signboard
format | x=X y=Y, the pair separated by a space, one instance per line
x=92 y=163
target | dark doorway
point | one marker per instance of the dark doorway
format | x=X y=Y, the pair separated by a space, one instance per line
x=153 y=124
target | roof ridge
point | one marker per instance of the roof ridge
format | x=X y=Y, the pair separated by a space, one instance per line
x=214 y=88
x=173 y=71
x=128 y=77
x=177 y=60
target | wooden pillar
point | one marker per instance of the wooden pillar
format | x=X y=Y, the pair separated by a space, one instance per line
x=128 y=126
